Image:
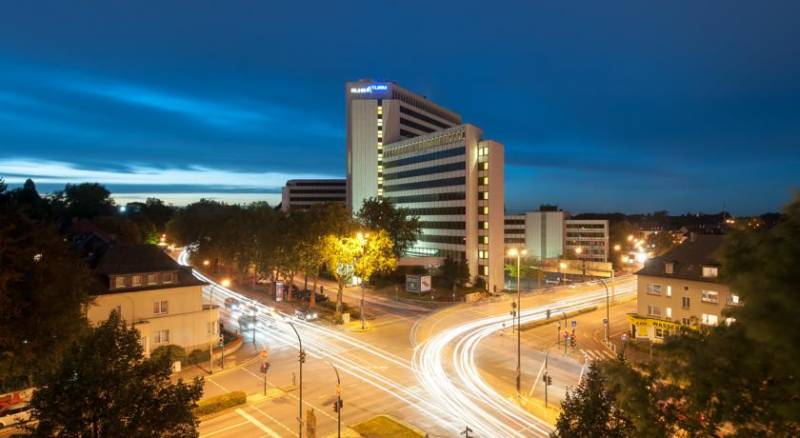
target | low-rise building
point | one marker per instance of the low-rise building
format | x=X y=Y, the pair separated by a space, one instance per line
x=300 y=194
x=586 y=239
x=681 y=288
x=160 y=298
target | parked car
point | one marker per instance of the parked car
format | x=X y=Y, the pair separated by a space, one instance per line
x=232 y=304
x=305 y=294
x=248 y=322
x=306 y=314
x=16 y=414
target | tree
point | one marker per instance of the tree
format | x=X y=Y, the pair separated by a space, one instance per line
x=362 y=255
x=87 y=200
x=381 y=214
x=527 y=271
x=589 y=411
x=105 y=387
x=44 y=288
x=454 y=273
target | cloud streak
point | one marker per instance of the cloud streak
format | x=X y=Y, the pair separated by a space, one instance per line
x=17 y=170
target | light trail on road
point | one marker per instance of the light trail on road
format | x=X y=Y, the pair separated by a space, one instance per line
x=324 y=343
x=469 y=396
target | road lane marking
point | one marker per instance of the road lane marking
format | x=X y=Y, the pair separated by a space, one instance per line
x=274 y=419
x=224 y=429
x=257 y=423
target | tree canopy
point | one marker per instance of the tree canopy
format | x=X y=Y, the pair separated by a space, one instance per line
x=381 y=214
x=105 y=387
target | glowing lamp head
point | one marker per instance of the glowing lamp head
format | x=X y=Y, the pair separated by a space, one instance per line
x=579 y=250
x=562 y=265
x=225 y=282
x=206 y=262
x=513 y=252
x=617 y=247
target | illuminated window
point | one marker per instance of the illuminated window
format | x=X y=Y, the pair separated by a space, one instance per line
x=483 y=180
x=152 y=279
x=710 y=296
x=136 y=281
x=483 y=254
x=484 y=210
x=380 y=122
x=484 y=270
x=668 y=312
x=484 y=240
x=483 y=224
x=380 y=110
x=669 y=291
x=483 y=195
x=710 y=271
x=483 y=166
x=119 y=282
x=380 y=168
x=709 y=319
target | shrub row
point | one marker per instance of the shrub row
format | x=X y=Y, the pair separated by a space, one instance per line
x=220 y=402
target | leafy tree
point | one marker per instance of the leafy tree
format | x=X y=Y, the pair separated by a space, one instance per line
x=171 y=353
x=87 y=200
x=589 y=411
x=44 y=288
x=527 y=270
x=121 y=229
x=340 y=253
x=376 y=255
x=105 y=387
x=381 y=214
x=454 y=273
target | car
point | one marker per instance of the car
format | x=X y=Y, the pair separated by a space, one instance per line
x=306 y=314
x=248 y=322
x=304 y=295
x=15 y=414
x=232 y=304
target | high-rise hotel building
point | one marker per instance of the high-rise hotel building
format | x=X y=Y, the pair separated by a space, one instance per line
x=404 y=147
x=379 y=113
x=453 y=181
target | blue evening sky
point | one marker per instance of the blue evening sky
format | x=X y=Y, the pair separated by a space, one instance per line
x=603 y=106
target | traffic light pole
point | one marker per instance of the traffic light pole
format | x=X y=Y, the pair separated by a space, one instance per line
x=546 y=377
x=301 y=357
x=338 y=403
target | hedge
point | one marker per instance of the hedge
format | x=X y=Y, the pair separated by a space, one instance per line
x=220 y=402
x=197 y=356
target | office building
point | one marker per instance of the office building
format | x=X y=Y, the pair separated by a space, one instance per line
x=379 y=113
x=586 y=239
x=453 y=180
x=540 y=233
x=299 y=194
x=681 y=289
x=153 y=293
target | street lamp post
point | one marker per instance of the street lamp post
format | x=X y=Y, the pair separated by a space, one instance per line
x=362 y=241
x=338 y=402
x=608 y=304
x=518 y=254
x=301 y=357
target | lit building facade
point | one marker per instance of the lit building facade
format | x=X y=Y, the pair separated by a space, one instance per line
x=453 y=181
x=681 y=289
x=300 y=194
x=379 y=113
x=540 y=233
x=586 y=239
x=160 y=298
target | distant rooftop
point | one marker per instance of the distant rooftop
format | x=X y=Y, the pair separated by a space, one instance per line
x=123 y=260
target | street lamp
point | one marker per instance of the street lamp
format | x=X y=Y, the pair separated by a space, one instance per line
x=301 y=357
x=206 y=262
x=338 y=401
x=225 y=282
x=514 y=252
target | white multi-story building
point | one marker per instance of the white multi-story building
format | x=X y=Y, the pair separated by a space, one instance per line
x=300 y=194
x=540 y=233
x=379 y=113
x=453 y=181
x=586 y=239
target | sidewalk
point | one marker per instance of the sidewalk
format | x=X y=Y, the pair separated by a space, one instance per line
x=247 y=352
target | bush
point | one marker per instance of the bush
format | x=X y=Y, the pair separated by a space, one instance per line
x=197 y=356
x=175 y=353
x=220 y=402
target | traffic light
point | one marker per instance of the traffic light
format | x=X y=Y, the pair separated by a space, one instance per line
x=548 y=313
x=549 y=380
x=572 y=341
x=221 y=341
x=302 y=356
x=265 y=367
x=337 y=405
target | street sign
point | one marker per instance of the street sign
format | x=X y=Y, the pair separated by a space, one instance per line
x=265 y=367
x=566 y=334
x=264 y=354
x=605 y=321
x=574 y=323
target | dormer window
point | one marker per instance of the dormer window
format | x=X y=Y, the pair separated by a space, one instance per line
x=168 y=277
x=118 y=282
x=152 y=279
x=136 y=281
x=669 y=268
x=710 y=271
